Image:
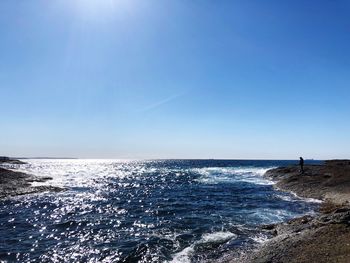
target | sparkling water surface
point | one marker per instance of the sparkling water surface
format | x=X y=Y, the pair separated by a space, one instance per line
x=143 y=211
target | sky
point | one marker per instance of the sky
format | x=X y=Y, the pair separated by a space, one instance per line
x=245 y=79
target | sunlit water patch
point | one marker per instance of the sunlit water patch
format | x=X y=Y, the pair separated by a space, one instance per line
x=143 y=211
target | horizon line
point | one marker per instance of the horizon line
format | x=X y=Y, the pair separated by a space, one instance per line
x=124 y=158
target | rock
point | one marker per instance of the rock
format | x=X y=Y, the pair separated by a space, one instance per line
x=323 y=238
x=4 y=159
x=14 y=183
x=331 y=180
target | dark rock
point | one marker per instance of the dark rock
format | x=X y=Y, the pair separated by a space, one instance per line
x=323 y=238
x=14 y=183
x=268 y=227
x=4 y=159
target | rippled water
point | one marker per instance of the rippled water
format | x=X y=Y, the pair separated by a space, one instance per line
x=143 y=211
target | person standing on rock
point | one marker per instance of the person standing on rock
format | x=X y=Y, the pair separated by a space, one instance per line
x=301 y=163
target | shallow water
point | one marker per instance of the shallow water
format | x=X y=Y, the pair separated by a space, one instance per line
x=143 y=211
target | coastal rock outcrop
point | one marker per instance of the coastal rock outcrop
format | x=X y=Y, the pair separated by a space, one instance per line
x=323 y=238
x=330 y=181
x=4 y=159
x=14 y=183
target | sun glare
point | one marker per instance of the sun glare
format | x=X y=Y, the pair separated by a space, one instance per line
x=96 y=9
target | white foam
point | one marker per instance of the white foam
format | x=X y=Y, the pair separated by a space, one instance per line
x=260 y=238
x=305 y=199
x=215 y=175
x=184 y=256
x=295 y=198
x=216 y=237
x=312 y=200
x=285 y=198
x=270 y=216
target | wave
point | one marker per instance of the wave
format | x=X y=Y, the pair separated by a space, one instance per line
x=215 y=175
x=260 y=238
x=307 y=199
x=293 y=197
x=216 y=237
x=184 y=256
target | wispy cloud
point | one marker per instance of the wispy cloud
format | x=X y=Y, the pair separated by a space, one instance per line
x=162 y=102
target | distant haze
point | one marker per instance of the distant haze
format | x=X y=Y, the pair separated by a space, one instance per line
x=175 y=79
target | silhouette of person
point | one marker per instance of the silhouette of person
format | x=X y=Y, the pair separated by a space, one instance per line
x=301 y=163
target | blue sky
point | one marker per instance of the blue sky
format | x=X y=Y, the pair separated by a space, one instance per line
x=175 y=79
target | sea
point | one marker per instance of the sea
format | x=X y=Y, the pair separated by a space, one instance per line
x=144 y=210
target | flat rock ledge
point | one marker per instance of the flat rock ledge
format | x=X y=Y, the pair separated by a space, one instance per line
x=324 y=238
x=330 y=181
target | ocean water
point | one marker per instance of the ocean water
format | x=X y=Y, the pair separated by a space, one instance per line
x=144 y=211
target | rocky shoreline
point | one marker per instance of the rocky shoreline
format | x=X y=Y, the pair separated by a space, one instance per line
x=14 y=183
x=321 y=238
